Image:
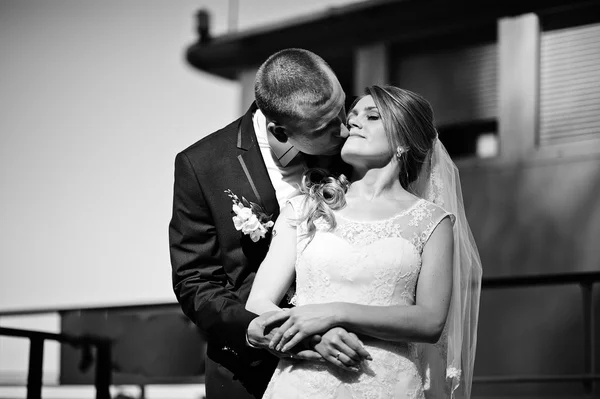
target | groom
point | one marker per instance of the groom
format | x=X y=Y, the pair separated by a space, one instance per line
x=298 y=120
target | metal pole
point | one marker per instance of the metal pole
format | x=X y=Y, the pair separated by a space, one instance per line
x=36 y=363
x=103 y=370
x=588 y=335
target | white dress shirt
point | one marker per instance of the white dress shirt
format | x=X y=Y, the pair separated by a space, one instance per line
x=285 y=164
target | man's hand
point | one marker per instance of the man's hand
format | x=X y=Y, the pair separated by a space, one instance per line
x=257 y=336
x=341 y=348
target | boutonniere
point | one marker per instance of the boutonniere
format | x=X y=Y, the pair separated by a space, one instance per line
x=249 y=217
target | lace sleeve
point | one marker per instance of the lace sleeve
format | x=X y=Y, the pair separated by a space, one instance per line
x=437 y=216
x=424 y=218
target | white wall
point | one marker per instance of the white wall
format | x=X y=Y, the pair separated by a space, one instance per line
x=95 y=101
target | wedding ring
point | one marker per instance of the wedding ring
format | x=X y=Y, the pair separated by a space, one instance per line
x=337 y=355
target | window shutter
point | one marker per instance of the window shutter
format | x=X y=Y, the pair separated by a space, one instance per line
x=570 y=85
x=460 y=84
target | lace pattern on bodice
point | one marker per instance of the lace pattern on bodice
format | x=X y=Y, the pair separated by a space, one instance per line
x=337 y=263
x=420 y=218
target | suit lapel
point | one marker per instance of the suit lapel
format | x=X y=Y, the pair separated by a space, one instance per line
x=251 y=161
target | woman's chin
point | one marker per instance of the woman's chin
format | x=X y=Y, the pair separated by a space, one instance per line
x=348 y=156
x=350 y=151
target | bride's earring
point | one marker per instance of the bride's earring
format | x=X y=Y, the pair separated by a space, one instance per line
x=400 y=151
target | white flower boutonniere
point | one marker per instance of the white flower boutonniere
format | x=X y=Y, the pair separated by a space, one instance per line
x=249 y=217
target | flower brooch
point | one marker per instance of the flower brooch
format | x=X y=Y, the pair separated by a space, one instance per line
x=249 y=217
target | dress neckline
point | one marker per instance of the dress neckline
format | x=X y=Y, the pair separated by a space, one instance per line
x=393 y=217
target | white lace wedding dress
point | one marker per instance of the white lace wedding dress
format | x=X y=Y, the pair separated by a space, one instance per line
x=370 y=263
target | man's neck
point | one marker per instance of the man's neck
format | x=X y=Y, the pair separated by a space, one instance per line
x=284 y=152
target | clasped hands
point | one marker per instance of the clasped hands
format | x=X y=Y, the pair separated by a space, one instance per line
x=308 y=332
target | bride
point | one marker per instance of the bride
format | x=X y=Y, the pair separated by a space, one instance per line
x=389 y=256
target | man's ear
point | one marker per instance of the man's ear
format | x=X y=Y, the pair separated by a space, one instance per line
x=277 y=131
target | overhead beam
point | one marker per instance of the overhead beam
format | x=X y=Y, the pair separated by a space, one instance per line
x=338 y=31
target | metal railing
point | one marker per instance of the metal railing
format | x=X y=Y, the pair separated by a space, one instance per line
x=586 y=281
x=103 y=375
x=36 y=358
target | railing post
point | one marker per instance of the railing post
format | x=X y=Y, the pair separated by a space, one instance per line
x=36 y=363
x=103 y=369
x=588 y=335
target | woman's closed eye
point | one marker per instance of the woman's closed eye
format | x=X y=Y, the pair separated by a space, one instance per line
x=353 y=121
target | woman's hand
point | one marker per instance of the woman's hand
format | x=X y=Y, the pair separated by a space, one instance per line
x=341 y=348
x=337 y=346
x=301 y=322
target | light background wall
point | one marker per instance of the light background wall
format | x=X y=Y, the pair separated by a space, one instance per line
x=96 y=101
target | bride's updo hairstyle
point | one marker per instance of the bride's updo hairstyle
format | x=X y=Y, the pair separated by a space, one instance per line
x=326 y=193
x=408 y=122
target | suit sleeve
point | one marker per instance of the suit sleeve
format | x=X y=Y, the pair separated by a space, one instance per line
x=199 y=279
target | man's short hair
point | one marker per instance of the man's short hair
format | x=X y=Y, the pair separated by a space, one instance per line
x=289 y=80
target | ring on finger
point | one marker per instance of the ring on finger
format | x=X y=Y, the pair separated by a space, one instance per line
x=337 y=355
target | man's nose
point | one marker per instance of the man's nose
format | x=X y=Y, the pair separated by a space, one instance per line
x=343 y=133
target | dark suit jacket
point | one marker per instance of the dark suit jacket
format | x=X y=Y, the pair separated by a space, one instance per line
x=214 y=264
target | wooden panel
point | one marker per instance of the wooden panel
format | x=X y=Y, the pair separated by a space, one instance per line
x=529 y=331
x=535 y=217
x=570 y=85
x=460 y=84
